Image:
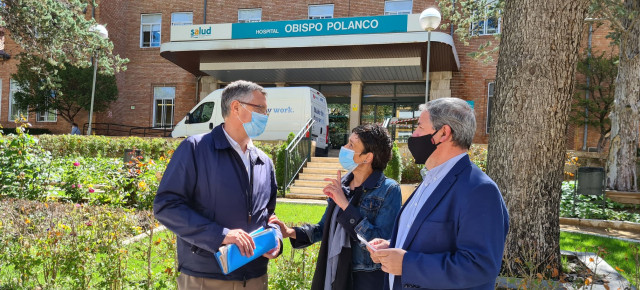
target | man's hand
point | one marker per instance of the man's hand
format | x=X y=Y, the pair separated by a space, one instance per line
x=334 y=191
x=379 y=244
x=241 y=239
x=273 y=253
x=286 y=231
x=391 y=260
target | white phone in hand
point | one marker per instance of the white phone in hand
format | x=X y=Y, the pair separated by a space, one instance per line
x=364 y=241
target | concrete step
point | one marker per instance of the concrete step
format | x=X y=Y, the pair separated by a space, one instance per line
x=306 y=196
x=324 y=165
x=311 y=183
x=325 y=159
x=323 y=171
x=314 y=176
x=307 y=190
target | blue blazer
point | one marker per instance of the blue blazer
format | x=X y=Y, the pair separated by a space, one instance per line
x=458 y=237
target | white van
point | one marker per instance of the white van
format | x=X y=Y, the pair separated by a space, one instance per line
x=289 y=109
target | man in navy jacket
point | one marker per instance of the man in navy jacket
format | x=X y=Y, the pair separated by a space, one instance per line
x=217 y=188
x=451 y=232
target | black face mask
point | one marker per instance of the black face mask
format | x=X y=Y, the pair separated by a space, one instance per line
x=422 y=147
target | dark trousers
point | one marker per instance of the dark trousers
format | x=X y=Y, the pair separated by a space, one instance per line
x=368 y=280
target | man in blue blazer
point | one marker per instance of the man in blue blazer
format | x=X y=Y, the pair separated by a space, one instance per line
x=451 y=232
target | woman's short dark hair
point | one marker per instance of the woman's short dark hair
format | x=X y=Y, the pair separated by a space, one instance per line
x=376 y=140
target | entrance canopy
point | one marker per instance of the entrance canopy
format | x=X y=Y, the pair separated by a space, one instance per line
x=377 y=48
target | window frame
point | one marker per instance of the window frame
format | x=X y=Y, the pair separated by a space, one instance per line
x=173 y=103
x=152 y=24
x=13 y=87
x=485 y=20
x=181 y=23
x=398 y=12
x=46 y=115
x=490 y=94
x=320 y=16
x=249 y=20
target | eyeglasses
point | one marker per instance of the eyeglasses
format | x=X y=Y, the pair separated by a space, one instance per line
x=259 y=108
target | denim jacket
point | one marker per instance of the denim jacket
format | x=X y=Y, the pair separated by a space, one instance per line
x=372 y=216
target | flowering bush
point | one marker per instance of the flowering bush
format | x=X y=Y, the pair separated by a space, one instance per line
x=24 y=170
x=72 y=246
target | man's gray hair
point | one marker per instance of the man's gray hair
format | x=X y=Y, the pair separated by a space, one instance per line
x=457 y=114
x=241 y=91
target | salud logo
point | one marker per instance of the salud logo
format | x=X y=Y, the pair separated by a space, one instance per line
x=200 y=32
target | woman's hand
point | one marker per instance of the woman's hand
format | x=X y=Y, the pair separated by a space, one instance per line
x=287 y=232
x=334 y=191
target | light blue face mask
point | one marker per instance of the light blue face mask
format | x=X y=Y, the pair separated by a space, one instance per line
x=257 y=124
x=346 y=159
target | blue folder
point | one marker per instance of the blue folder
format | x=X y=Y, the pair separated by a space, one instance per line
x=229 y=257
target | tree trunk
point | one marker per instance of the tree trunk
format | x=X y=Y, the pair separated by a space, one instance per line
x=539 y=50
x=625 y=117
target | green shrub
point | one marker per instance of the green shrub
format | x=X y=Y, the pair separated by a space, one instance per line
x=113 y=147
x=280 y=159
x=31 y=131
x=394 y=167
x=70 y=246
x=24 y=166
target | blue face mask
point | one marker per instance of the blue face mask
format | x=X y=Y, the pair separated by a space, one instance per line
x=257 y=124
x=346 y=159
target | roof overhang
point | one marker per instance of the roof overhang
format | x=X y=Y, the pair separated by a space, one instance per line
x=397 y=56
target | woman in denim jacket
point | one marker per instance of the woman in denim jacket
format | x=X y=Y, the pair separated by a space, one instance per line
x=364 y=203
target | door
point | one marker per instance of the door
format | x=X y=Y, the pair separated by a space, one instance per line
x=201 y=119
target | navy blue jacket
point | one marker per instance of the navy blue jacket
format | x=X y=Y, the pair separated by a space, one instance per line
x=457 y=239
x=205 y=192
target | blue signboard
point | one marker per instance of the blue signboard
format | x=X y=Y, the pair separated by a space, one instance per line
x=316 y=27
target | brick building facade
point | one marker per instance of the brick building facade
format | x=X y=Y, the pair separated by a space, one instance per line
x=158 y=90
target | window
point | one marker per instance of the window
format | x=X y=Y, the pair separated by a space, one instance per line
x=48 y=116
x=323 y=11
x=398 y=7
x=150 y=30
x=14 y=112
x=202 y=114
x=490 y=91
x=489 y=25
x=163 y=98
x=249 y=15
x=181 y=18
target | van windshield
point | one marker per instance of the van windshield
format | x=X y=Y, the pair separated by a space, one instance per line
x=202 y=113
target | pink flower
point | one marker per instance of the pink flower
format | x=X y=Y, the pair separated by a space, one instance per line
x=76 y=164
x=91 y=190
x=79 y=185
x=88 y=224
x=73 y=186
x=77 y=205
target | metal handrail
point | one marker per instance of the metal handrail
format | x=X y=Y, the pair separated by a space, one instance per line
x=110 y=129
x=295 y=157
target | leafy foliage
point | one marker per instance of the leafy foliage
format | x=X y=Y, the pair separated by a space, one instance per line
x=68 y=90
x=464 y=15
x=24 y=169
x=394 y=167
x=59 y=32
x=601 y=71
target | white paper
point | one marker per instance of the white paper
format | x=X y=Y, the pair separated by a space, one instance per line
x=366 y=243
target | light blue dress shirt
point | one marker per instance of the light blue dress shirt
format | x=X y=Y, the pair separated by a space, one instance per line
x=430 y=181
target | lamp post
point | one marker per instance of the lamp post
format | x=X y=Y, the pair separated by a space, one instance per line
x=429 y=20
x=103 y=33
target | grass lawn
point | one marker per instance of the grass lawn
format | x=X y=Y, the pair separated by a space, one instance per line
x=618 y=254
